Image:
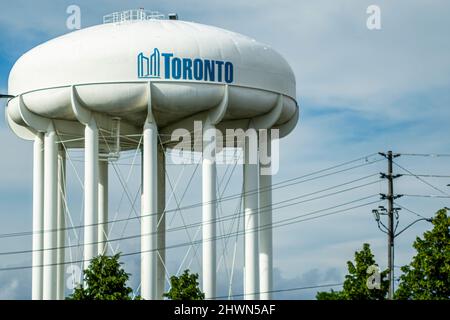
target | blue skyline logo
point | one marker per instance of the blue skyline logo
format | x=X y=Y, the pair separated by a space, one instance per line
x=149 y=67
x=176 y=68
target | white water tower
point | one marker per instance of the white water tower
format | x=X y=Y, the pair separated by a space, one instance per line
x=139 y=74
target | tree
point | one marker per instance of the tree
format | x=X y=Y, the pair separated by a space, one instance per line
x=332 y=295
x=105 y=280
x=356 y=281
x=427 y=277
x=184 y=287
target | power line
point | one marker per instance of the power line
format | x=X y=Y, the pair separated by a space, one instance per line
x=230 y=216
x=283 y=290
x=222 y=199
x=433 y=155
x=427 y=175
x=422 y=180
x=426 y=196
x=283 y=183
x=277 y=224
x=222 y=218
x=133 y=236
x=337 y=166
x=287 y=221
x=197 y=242
x=409 y=210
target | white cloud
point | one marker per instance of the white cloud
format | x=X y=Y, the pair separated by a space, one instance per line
x=15 y=285
x=9 y=288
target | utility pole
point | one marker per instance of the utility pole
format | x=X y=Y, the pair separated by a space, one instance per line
x=390 y=229
x=390 y=197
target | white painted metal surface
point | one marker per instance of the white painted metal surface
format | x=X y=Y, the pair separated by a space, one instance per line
x=90 y=191
x=108 y=53
x=209 y=173
x=61 y=224
x=38 y=217
x=102 y=62
x=50 y=212
x=161 y=240
x=149 y=218
x=79 y=83
x=102 y=231
x=251 y=258
x=265 y=232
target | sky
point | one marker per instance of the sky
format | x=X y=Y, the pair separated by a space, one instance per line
x=360 y=92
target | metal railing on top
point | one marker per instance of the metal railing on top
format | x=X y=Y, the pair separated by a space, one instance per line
x=132 y=15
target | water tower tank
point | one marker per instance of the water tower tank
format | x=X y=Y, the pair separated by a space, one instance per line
x=139 y=74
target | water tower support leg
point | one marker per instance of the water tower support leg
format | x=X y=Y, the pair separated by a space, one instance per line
x=50 y=212
x=149 y=211
x=209 y=211
x=265 y=233
x=60 y=256
x=102 y=206
x=90 y=191
x=161 y=270
x=38 y=216
x=251 y=260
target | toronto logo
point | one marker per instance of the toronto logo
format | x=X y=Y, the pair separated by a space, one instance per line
x=157 y=65
x=149 y=67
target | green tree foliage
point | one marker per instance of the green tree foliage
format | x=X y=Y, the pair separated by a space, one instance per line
x=332 y=295
x=105 y=280
x=355 y=284
x=427 y=277
x=185 y=287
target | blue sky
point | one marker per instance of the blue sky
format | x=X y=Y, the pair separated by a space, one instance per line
x=359 y=91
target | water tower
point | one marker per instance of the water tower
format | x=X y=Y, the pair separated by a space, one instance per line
x=141 y=75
